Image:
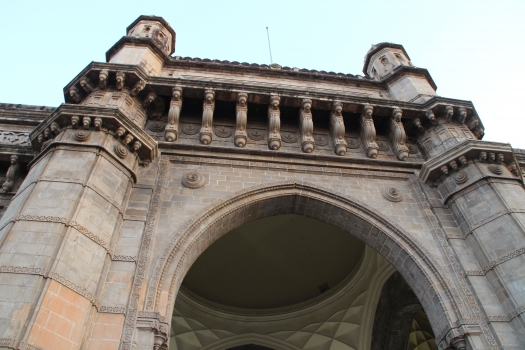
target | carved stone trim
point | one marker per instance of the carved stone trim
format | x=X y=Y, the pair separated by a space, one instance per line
x=90 y=235
x=193 y=180
x=121 y=151
x=80 y=290
x=112 y=309
x=123 y=258
x=495 y=169
x=498 y=318
x=24 y=270
x=392 y=194
x=460 y=177
x=288 y=137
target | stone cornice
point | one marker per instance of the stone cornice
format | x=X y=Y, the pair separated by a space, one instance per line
x=430 y=171
x=401 y=71
x=112 y=118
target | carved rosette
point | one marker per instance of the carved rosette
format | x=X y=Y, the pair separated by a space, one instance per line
x=193 y=180
x=460 y=177
x=171 y=132
x=392 y=194
x=121 y=151
x=223 y=132
x=306 y=126
x=274 y=123
x=397 y=135
x=337 y=128
x=241 y=120
x=255 y=135
x=496 y=169
x=82 y=135
x=206 y=132
x=156 y=126
x=368 y=132
x=190 y=129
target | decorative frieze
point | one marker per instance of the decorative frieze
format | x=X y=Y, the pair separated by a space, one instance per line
x=368 y=132
x=397 y=135
x=206 y=131
x=306 y=126
x=241 y=120
x=274 y=123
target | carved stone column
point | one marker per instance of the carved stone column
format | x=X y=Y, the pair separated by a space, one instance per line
x=337 y=128
x=306 y=126
x=274 y=123
x=241 y=120
x=368 y=132
x=397 y=135
x=206 y=132
x=171 y=133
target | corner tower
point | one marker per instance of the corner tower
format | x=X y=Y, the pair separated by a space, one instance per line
x=390 y=63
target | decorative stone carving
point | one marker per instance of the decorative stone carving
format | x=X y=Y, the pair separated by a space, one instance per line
x=136 y=146
x=368 y=132
x=128 y=139
x=13 y=172
x=156 y=126
x=75 y=120
x=460 y=177
x=462 y=160
x=255 y=135
x=337 y=129
x=472 y=122
x=206 y=132
x=288 y=137
x=306 y=126
x=500 y=158
x=82 y=135
x=149 y=99
x=418 y=125
x=462 y=115
x=103 y=79
x=392 y=194
x=86 y=122
x=449 y=113
x=412 y=149
x=14 y=138
x=75 y=94
x=514 y=169
x=352 y=142
x=86 y=85
x=492 y=157
x=193 y=180
x=120 y=131
x=55 y=128
x=320 y=140
x=121 y=78
x=478 y=131
x=139 y=86
x=274 y=123
x=496 y=169
x=430 y=116
x=223 y=132
x=444 y=170
x=397 y=135
x=121 y=151
x=482 y=156
x=172 y=128
x=190 y=129
x=382 y=145
x=453 y=165
x=241 y=120
x=98 y=123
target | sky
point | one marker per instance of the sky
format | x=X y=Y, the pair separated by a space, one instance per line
x=472 y=49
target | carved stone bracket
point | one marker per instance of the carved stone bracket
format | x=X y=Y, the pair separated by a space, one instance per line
x=13 y=173
x=337 y=128
x=368 y=132
x=397 y=135
x=306 y=126
x=208 y=106
x=241 y=120
x=171 y=132
x=274 y=123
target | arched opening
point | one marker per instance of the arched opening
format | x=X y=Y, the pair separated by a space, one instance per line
x=384 y=242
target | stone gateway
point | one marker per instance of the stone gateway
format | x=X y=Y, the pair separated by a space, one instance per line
x=183 y=203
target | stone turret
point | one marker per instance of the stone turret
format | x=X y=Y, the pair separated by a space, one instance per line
x=149 y=41
x=391 y=64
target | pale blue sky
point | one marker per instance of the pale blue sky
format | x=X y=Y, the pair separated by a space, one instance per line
x=474 y=50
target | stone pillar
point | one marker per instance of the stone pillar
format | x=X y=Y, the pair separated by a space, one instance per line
x=60 y=231
x=486 y=198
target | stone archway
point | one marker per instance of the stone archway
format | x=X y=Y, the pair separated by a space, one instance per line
x=409 y=257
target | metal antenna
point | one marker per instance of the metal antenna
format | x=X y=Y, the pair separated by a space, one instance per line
x=269 y=47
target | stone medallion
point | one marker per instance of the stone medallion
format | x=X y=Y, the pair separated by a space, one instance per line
x=352 y=142
x=392 y=194
x=460 y=177
x=383 y=145
x=321 y=140
x=255 y=135
x=190 y=129
x=223 y=131
x=412 y=149
x=288 y=137
x=121 y=151
x=156 y=126
x=193 y=180
x=82 y=135
x=496 y=169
